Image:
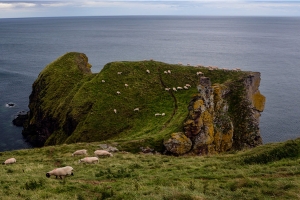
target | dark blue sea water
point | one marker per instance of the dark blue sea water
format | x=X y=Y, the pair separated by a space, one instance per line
x=270 y=45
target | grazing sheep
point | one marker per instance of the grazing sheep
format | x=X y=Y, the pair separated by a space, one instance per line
x=169 y=71
x=136 y=109
x=115 y=111
x=89 y=160
x=118 y=92
x=9 y=161
x=102 y=153
x=199 y=73
x=165 y=72
x=163 y=114
x=185 y=87
x=103 y=81
x=174 y=89
x=62 y=171
x=167 y=89
x=157 y=114
x=126 y=85
x=179 y=88
x=119 y=73
x=148 y=71
x=80 y=152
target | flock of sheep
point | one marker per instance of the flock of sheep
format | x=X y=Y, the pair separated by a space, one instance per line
x=175 y=89
x=68 y=170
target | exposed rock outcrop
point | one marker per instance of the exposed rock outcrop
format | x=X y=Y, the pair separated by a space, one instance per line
x=223 y=117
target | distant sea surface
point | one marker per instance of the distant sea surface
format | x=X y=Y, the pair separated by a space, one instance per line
x=270 y=45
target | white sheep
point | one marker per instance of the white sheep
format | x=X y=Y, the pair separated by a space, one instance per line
x=118 y=92
x=126 y=85
x=174 y=89
x=62 y=171
x=169 y=71
x=148 y=71
x=179 y=88
x=103 y=81
x=102 y=153
x=157 y=114
x=136 y=109
x=165 y=72
x=80 y=152
x=9 y=161
x=115 y=111
x=163 y=114
x=187 y=85
x=199 y=73
x=89 y=160
x=119 y=73
x=167 y=89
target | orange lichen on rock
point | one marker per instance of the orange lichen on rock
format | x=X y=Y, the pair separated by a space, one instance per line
x=259 y=101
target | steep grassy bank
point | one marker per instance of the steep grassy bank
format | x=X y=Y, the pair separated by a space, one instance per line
x=266 y=172
x=69 y=104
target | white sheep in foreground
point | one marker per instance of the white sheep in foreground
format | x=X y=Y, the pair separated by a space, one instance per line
x=62 y=171
x=9 y=161
x=115 y=111
x=148 y=71
x=136 y=109
x=119 y=73
x=157 y=114
x=118 y=92
x=102 y=153
x=89 y=160
x=80 y=152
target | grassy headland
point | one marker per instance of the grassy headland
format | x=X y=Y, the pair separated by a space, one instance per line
x=269 y=171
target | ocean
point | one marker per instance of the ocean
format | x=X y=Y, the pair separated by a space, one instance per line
x=270 y=45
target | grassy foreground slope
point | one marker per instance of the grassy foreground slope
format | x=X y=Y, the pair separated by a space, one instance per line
x=269 y=171
x=74 y=105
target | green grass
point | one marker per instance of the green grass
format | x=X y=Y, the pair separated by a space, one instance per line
x=139 y=176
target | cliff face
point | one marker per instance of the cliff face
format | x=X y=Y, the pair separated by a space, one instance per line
x=213 y=114
x=225 y=116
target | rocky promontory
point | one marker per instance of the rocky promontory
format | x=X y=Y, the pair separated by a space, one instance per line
x=168 y=107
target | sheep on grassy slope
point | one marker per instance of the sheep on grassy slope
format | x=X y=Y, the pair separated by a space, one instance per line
x=102 y=153
x=60 y=172
x=89 y=160
x=80 y=152
x=9 y=161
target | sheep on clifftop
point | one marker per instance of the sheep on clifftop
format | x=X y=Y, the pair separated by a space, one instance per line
x=89 y=160
x=63 y=171
x=102 y=153
x=80 y=152
x=9 y=161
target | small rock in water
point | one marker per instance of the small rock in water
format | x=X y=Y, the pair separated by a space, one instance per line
x=10 y=104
